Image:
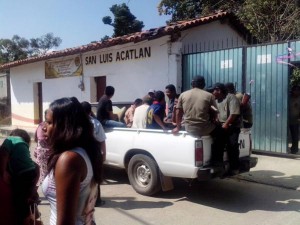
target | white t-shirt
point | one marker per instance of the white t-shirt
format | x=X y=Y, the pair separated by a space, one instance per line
x=98 y=130
x=140 y=117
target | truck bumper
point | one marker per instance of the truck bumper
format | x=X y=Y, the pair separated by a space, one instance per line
x=210 y=172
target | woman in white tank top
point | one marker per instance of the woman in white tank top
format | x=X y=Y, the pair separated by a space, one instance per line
x=75 y=164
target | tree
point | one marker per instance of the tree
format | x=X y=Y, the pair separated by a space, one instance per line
x=271 y=21
x=124 y=22
x=19 y=48
x=42 y=45
x=190 y=9
x=267 y=20
x=14 y=49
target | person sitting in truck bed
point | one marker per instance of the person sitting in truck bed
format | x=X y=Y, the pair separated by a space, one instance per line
x=156 y=112
x=105 y=112
x=170 y=91
x=199 y=107
x=140 y=113
x=128 y=118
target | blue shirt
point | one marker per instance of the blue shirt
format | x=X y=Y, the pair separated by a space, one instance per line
x=157 y=109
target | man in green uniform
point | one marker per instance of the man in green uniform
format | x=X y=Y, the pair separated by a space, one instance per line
x=229 y=116
x=199 y=109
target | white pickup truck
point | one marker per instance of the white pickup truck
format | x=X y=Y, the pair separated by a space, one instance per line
x=153 y=157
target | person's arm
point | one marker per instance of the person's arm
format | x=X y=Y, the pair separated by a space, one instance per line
x=112 y=116
x=103 y=150
x=70 y=170
x=229 y=121
x=158 y=121
x=173 y=119
x=179 y=114
x=234 y=111
x=4 y=159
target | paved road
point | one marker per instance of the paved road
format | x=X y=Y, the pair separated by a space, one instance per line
x=228 y=201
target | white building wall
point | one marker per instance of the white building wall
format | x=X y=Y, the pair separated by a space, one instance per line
x=132 y=78
x=3 y=85
x=23 y=79
x=215 y=34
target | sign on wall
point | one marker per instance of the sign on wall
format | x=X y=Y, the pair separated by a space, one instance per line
x=64 y=68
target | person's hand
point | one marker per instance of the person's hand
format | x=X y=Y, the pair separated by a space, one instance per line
x=175 y=130
x=103 y=156
x=225 y=126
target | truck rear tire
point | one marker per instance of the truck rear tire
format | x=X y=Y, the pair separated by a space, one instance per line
x=143 y=175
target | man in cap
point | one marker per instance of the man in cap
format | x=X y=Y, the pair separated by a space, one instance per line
x=151 y=93
x=200 y=110
x=229 y=117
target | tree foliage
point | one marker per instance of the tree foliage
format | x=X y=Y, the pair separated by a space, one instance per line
x=268 y=20
x=14 y=49
x=271 y=21
x=124 y=21
x=42 y=45
x=19 y=48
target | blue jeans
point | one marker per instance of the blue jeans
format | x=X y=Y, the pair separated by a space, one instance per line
x=113 y=123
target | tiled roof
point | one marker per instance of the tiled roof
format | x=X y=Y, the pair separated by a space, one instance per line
x=135 y=37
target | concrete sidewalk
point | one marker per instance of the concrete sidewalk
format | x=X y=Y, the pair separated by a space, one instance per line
x=277 y=171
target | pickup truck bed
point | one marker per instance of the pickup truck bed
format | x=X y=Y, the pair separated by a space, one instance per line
x=152 y=157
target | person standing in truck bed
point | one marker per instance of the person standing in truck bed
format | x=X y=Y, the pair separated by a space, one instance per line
x=229 y=117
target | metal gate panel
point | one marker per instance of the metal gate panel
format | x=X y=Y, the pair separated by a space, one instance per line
x=262 y=71
x=217 y=66
x=295 y=52
x=267 y=81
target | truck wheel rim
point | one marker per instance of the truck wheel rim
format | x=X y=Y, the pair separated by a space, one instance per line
x=143 y=174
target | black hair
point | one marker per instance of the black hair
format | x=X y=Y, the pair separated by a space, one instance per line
x=198 y=82
x=159 y=95
x=171 y=87
x=138 y=101
x=230 y=87
x=21 y=133
x=72 y=128
x=221 y=87
x=86 y=107
x=147 y=99
x=109 y=91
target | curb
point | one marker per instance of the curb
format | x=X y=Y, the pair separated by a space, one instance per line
x=244 y=178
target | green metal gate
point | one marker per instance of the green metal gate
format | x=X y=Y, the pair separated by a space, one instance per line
x=262 y=71
x=267 y=81
x=216 y=66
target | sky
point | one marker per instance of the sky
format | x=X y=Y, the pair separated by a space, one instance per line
x=76 y=22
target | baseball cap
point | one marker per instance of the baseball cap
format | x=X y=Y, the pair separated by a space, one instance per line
x=151 y=91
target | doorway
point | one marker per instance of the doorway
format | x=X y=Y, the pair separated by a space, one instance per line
x=38 y=102
x=100 y=85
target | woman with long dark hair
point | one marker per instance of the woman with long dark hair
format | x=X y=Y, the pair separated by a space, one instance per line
x=74 y=166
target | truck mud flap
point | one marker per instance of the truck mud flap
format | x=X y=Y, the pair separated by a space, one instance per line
x=247 y=163
x=205 y=174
